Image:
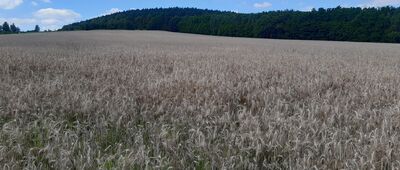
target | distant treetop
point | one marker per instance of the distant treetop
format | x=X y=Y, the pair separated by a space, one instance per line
x=37 y=28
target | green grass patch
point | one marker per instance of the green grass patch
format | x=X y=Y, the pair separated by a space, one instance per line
x=109 y=140
x=4 y=120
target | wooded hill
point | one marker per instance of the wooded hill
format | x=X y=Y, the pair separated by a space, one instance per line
x=340 y=24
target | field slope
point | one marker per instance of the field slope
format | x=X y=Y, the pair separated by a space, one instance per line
x=137 y=99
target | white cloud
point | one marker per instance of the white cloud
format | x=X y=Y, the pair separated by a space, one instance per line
x=51 y=18
x=380 y=3
x=262 y=5
x=49 y=21
x=56 y=14
x=35 y=3
x=47 y=18
x=10 y=4
x=112 y=11
x=307 y=9
x=19 y=21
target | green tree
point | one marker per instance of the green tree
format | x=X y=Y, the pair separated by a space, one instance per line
x=6 y=27
x=14 y=29
x=37 y=28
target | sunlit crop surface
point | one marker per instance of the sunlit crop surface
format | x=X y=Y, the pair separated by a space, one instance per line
x=158 y=100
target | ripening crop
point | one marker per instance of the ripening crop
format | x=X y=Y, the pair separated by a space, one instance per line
x=159 y=100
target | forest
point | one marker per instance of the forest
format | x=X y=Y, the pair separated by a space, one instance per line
x=337 y=24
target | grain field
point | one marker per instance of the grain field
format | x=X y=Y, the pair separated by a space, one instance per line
x=159 y=100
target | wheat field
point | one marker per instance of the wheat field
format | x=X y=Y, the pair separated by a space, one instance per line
x=159 y=100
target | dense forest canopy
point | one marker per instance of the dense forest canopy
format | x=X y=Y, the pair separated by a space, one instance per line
x=341 y=24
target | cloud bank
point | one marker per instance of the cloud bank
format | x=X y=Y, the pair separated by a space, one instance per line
x=47 y=18
x=262 y=5
x=380 y=3
x=10 y=4
x=112 y=11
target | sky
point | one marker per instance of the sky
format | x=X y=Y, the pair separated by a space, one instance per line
x=53 y=14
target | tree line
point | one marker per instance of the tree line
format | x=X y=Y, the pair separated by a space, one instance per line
x=8 y=29
x=12 y=29
x=340 y=24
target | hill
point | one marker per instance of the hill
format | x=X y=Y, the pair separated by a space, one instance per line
x=339 y=24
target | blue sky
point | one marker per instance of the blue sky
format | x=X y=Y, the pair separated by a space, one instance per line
x=52 y=14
